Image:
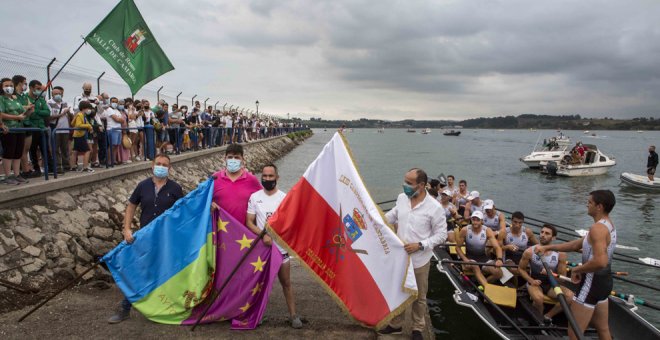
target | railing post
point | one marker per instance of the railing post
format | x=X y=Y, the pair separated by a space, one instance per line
x=158 y=95
x=98 y=83
x=44 y=151
x=48 y=76
x=192 y=102
x=53 y=145
x=177 y=98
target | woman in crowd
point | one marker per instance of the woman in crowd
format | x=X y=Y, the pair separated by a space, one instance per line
x=12 y=114
x=80 y=137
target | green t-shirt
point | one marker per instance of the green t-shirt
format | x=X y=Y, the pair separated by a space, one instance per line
x=41 y=112
x=12 y=107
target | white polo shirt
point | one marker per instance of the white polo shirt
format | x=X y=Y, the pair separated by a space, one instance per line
x=264 y=206
x=425 y=223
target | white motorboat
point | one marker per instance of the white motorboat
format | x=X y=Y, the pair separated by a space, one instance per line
x=426 y=131
x=640 y=181
x=553 y=150
x=594 y=163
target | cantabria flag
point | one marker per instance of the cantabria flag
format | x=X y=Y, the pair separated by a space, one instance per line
x=331 y=223
x=124 y=40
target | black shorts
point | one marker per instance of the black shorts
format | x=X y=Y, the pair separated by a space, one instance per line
x=80 y=144
x=12 y=145
x=594 y=288
x=650 y=171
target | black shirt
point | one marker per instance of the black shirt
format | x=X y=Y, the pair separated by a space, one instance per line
x=153 y=204
x=653 y=160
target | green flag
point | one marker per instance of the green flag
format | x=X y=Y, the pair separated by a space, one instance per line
x=124 y=40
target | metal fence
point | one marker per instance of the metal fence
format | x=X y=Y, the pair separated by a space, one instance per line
x=32 y=66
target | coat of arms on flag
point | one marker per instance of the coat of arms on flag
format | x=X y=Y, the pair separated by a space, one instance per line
x=135 y=39
x=330 y=222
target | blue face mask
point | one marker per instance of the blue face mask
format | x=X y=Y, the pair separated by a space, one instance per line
x=57 y=98
x=409 y=190
x=121 y=107
x=233 y=165
x=161 y=171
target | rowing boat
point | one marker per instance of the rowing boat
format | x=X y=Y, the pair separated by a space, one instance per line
x=623 y=318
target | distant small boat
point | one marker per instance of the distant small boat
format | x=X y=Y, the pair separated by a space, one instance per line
x=586 y=132
x=411 y=130
x=381 y=130
x=640 y=131
x=640 y=181
x=426 y=131
x=500 y=130
x=452 y=133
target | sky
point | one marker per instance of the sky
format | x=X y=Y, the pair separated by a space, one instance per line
x=383 y=59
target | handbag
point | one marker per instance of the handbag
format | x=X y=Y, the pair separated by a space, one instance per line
x=126 y=142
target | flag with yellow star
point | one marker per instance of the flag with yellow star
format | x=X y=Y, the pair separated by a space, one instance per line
x=244 y=299
x=168 y=269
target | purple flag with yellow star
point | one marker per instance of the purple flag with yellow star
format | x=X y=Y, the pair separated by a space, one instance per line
x=244 y=299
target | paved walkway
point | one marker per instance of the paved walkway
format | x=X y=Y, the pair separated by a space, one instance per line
x=81 y=313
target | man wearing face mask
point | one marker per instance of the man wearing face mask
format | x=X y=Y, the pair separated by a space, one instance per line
x=85 y=96
x=154 y=195
x=421 y=225
x=38 y=120
x=261 y=206
x=234 y=185
x=60 y=116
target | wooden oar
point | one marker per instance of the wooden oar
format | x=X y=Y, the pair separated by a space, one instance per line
x=470 y=263
x=636 y=300
x=562 y=300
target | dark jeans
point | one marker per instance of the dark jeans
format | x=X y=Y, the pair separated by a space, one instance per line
x=34 y=154
x=102 y=143
x=126 y=305
x=176 y=142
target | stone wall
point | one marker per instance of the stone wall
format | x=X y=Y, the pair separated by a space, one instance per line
x=62 y=232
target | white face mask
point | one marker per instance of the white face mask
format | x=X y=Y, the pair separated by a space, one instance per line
x=114 y=105
x=8 y=90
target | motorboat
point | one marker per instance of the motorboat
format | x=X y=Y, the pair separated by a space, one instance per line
x=411 y=130
x=426 y=131
x=522 y=320
x=640 y=181
x=452 y=133
x=553 y=150
x=593 y=163
x=381 y=130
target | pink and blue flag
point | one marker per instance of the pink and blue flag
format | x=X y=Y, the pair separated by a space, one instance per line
x=171 y=269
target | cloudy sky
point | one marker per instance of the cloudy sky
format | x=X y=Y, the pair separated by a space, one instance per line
x=383 y=59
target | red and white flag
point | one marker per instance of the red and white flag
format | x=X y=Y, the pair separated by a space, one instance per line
x=330 y=222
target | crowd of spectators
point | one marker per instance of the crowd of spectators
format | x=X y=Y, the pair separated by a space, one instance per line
x=101 y=130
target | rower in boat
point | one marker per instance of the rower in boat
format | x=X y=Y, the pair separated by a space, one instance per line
x=460 y=198
x=451 y=214
x=494 y=219
x=538 y=283
x=476 y=237
x=516 y=238
x=474 y=203
x=594 y=275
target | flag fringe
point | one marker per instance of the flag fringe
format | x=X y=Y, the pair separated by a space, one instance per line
x=384 y=322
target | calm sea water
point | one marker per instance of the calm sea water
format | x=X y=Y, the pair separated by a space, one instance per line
x=488 y=161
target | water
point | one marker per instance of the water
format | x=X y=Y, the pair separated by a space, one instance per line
x=488 y=160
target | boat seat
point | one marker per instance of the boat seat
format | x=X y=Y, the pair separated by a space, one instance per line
x=501 y=295
x=452 y=250
x=549 y=301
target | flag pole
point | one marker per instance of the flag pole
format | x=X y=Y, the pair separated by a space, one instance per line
x=59 y=291
x=50 y=82
x=216 y=293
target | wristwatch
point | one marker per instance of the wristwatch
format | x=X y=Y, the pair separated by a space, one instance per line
x=421 y=246
x=500 y=259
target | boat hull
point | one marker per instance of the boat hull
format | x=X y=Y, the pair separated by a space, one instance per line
x=579 y=171
x=640 y=181
x=534 y=159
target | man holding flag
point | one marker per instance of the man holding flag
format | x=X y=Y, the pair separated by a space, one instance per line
x=155 y=195
x=421 y=225
x=261 y=206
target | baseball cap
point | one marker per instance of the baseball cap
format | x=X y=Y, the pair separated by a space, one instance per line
x=473 y=195
x=478 y=214
x=488 y=204
x=446 y=192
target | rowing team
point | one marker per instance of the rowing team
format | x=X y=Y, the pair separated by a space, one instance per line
x=487 y=234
